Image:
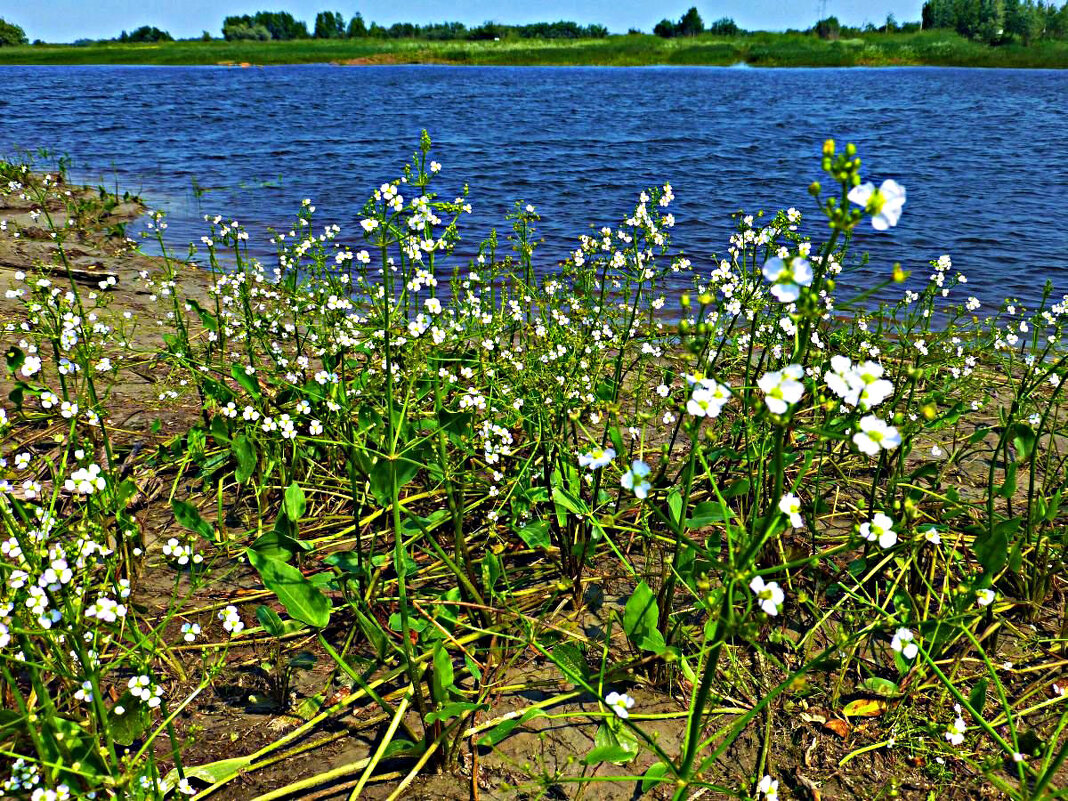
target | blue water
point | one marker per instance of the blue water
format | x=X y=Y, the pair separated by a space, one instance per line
x=983 y=153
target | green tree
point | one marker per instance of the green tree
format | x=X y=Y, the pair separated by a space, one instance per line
x=329 y=25
x=691 y=23
x=147 y=33
x=665 y=28
x=357 y=27
x=1024 y=20
x=11 y=35
x=725 y=26
x=828 y=28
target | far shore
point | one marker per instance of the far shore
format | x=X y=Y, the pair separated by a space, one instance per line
x=927 y=48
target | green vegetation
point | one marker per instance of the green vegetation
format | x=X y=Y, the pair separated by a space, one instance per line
x=442 y=511
x=998 y=21
x=936 y=48
x=11 y=35
x=968 y=33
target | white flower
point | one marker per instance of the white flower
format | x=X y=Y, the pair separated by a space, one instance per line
x=782 y=388
x=932 y=536
x=769 y=788
x=861 y=385
x=875 y=434
x=787 y=280
x=596 y=458
x=904 y=643
x=30 y=366
x=985 y=597
x=190 y=631
x=955 y=732
x=884 y=203
x=881 y=529
x=315 y=428
x=634 y=479
x=231 y=620
x=770 y=595
x=85 y=480
x=708 y=398
x=620 y=703
x=790 y=505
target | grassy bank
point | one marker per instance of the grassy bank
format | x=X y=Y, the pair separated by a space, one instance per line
x=376 y=521
x=935 y=48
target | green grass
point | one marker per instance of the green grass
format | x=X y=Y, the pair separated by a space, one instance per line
x=935 y=48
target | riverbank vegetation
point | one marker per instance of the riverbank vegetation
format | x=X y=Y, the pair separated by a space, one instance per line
x=967 y=33
x=373 y=518
x=934 y=48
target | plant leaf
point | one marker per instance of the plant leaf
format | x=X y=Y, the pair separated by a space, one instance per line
x=302 y=599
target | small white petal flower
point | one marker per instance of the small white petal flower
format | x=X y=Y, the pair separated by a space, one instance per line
x=634 y=479
x=596 y=458
x=904 y=643
x=769 y=595
x=620 y=703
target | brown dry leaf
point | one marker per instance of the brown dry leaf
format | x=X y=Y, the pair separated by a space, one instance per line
x=839 y=727
x=865 y=708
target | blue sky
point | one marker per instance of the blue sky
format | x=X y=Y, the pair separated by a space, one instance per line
x=66 y=20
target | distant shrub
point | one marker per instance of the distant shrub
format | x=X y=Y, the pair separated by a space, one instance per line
x=242 y=32
x=280 y=25
x=146 y=33
x=724 y=26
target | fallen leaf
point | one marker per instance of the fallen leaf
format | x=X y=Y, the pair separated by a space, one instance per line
x=865 y=708
x=839 y=727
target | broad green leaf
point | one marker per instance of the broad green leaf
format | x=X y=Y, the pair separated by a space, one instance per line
x=572 y=504
x=301 y=599
x=536 y=534
x=189 y=517
x=569 y=658
x=1023 y=439
x=345 y=561
x=641 y=615
x=615 y=754
x=206 y=318
x=212 y=772
x=503 y=729
x=675 y=505
x=295 y=504
x=977 y=697
x=705 y=514
x=249 y=383
x=455 y=709
x=244 y=453
x=442 y=676
x=133 y=721
x=653 y=776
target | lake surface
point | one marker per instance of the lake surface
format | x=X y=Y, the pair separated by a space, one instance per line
x=983 y=153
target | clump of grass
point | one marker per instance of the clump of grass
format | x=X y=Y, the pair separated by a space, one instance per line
x=433 y=466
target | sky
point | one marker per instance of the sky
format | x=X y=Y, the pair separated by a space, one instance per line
x=67 y=20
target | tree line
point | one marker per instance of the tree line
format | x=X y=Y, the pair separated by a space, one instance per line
x=281 y=26
x=998 y=21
